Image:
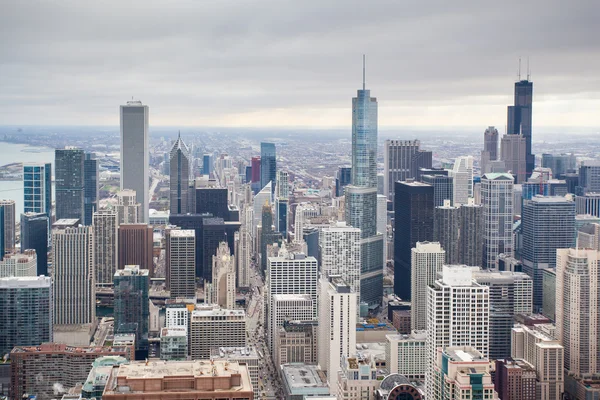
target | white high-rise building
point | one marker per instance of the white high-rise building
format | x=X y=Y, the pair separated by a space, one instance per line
x=211 y=328
x=73 y=276
x=382 y=223
x=283 y=185
x=128 y=209
x=337 y=327
x=244 y=250
x=105 y=224
x=497 y=201
x=341 y=253
x=289 y=273
x=221 y=290
x=303 y=212
x=177 y=315
x=181 y=271
x=135 y=161
x=577 y=309
x=462 y=173
x=427 y=259
x=407 y=354
x=458 y=311
x=19 y=264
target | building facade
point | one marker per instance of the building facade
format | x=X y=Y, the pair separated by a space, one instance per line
x=37 y=188
x=106 y=255
x=69 y=183
x=132 y=305
x=427 y=259
x=497 y=201
x=179 y=182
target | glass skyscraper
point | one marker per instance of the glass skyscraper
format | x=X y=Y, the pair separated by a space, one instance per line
x=69 y=174
x=91 y=178
x=268 y=165
x=361 y=195
x=519 y=119
x=179 y=160
x=34 y=235
x=37 y=188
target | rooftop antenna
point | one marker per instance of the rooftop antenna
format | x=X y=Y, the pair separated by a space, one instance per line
x=519 y=68
x=364 y=72
x=179 y=135
x=528 y=70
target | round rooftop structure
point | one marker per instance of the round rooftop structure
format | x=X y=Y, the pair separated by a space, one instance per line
x=399 y=387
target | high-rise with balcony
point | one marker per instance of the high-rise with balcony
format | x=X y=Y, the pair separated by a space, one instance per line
x=37 y=188
x=69 y=178
x=179 y=160
x=135 y=162
x=497 y=200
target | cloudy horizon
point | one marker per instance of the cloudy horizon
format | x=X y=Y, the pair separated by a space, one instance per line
x=243 y=63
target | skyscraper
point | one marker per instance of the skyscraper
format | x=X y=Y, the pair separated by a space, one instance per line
x=427 y=259
x=106 y=238
x=255 y=181
x=91 y=179
x=128 y=209
x=560 y=164
x=343 y=178
x=548 y=224
x=180 y=263
x=589 y=177
x=361 y=195
x=513 y=150
x=268 y=165
x=471 y=234
x=401 y=161
x=134 y=153
x=69 y=178
x=282 y=203
x=25 y=312
x=519 y=118
x=413 y=223
x=132 y=310
x=267 y=234
x=221 y=291
x=7 y=219
x=497 y=201
x=73 y=276
x=135 y=246
x=179 y=177
x=490 y=149
x=443 y=188
x=243 y=252
x=34 y=235
x=37 y=188
x=446 y=230
x=462 y=174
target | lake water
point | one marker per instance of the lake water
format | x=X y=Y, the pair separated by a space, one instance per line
x=19 y=153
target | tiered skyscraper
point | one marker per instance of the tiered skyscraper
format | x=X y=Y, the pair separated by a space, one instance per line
x=179 y=177
x=134 y=153
x=361 y=195
x=519 y=119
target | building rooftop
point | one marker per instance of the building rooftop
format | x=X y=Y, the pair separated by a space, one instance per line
x=66 y=222
x=131 y=270
x=218 y=312
x=464 y=354
x=183 y=233
x=299 y=375
x=235 y=352
x=292 y=297
x=414 y=336
x=63 y=348
x=498 y=175
x=32 y=282
x=174 y=331
x=550 y=199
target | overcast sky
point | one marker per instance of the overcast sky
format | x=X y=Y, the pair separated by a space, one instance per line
x=297 y=63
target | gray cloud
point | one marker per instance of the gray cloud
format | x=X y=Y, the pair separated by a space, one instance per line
x=279 y=62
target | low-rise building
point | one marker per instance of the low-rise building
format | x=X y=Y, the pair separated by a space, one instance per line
x=357 y=378
x=297 y=342
x=515 y=380
x=247 y=356
x=173 y=344
x=98 y=376
x=303 y=380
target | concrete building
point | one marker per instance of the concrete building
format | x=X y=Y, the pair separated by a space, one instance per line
x=37 y=185
x=246 y=356
x=513 y=152
x=69 y=183
x=547 y=225
x=407 y=354
x=297 y=342
x=211 y=328
x=135 y=162
x=221 y=290
x=382 y=224
x=461 y=373
x=462 y=175
x=179 y=182
x=34 y=235
x=588 y=203
x=301 y=381
x=243 y=251
x=458 y=315
x=173 y=344
x=199 y=379
x=357 y=378
x=268 y=166
x=135 y=246
x=515 y=380
x=25 y=311
x=471 y=234
x=497 y=201
x=48 y=368
x=287 y=307
x=180 y=266
x=426 y=262
x=446 y=230
x=402 y=160
x=105 y=225
x=19 y=264
x=588 y=236
x=128 y=208
x=337 y=339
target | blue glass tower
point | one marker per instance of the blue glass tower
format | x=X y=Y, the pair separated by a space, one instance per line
x=268 y=165
x=361 y=195
x=37 y=188
x=34 y=235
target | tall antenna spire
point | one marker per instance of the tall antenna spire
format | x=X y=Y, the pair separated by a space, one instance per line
x=528 y=70
x=519 y=68
x=179 y=134
x=364 y=62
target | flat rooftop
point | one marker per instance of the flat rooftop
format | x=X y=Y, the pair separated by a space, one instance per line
x=197 y=368
x=464 y=354
x=175 y=331
x=219 y=312
x=292 y=297
x=182 y=233
x=299 y=375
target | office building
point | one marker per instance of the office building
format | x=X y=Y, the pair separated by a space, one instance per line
x=132 y=313
x=461 y=373
x=510 y=293
x=180 y=267
x=458 y=315
x=246 y=356
x=128 y=209
x=497 y=201
x=221 y=290
x=91 y=180
x=286 y=308
x=471 y=234
x=135 y=246
x=106 y=256
x=7 y=230
x=402 y=160
x=427 y=259
x=34 y=235
x=198 y=379
x=53 y=363
x=135 y=162
x=211 y=234
x=343 y=178
x=267 y=234
x=407 y=354
x=577 y=313
x=243 y=251
x=297 y=342
x=337 y=339
x=304 y=211
x=73 y=275
x=358 y=378
x=519 y=118
x=212 y=200
x=462 y=175
x=443 y=188
x=515 y=380
x=413 y=223
x=340 y=251
x=268 y=165
x=37 y=188
x=446 y=230
x=589 y=177
x=560 y=164
x=263 y=196
x=208 y=164
x=19 y=264
x=398 y=386
x=96 y=380
x=179 y=177
x=548 y=224
x=212 y=328
x=545 y=354
x=69 y=183
x=490 y=149
x=513 y=153
x=25 y=311
x=588 y=204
